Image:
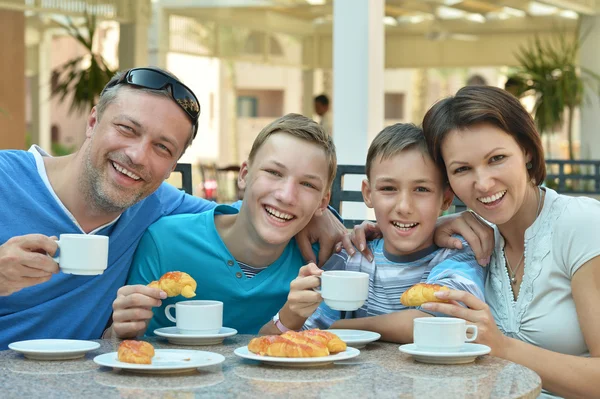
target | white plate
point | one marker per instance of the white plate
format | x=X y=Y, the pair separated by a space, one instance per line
x=164 y=361
x=356 y=338
x=467 y=354
x=53 y=349
x=349 y=353
x=175 y=337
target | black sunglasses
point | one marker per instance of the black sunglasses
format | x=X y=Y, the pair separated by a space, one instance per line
x=157 y=80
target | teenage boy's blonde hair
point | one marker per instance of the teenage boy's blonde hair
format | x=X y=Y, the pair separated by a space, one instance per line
x=303 y=128
x=394 y=139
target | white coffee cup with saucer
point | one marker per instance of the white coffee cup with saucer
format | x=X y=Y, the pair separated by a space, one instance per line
x=199 y=317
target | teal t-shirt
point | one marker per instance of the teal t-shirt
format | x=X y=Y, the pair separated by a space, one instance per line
x=191 y=244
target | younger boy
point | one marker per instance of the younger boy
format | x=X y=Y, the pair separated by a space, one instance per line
x=407 y=192
x=247 y=259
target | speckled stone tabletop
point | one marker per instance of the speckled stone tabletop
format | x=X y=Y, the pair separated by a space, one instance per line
x=380 y=371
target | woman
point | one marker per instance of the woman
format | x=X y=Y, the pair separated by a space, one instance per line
x=543 y=286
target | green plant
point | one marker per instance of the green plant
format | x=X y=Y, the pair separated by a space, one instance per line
x=549 y=69
x=59 y=150
x=82 y=78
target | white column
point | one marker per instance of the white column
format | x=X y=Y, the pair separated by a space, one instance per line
x=133 y=37
x=308 y=84
x=358 y=67
x=590 y=110
x=159 y=36
x=41 y=90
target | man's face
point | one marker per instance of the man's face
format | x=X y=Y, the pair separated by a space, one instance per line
x=132 y=149
x=285 y=185
x=321 y=108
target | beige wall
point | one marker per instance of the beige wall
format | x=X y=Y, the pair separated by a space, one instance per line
x=12 y=79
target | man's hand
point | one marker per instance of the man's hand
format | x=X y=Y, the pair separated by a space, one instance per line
x=24 y=262
x=328 y=231
x=478 y=234
x=132 y=310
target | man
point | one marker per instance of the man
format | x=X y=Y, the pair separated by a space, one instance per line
x=321 y=109
x=113 y=186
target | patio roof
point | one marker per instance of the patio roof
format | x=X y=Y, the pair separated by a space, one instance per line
x=419 y=33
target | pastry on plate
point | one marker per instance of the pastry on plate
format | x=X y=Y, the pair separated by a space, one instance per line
x=176 y=283
x=309 y=343
x=420 y=293
x=138 y=352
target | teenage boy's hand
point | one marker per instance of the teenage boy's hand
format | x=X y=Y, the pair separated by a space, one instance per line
x=302 y=299
x=328 y=231
x=366 y=231
x=478 y=234
x=132 y=310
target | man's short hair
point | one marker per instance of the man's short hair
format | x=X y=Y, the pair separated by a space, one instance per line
x=322 y=99
x=303 y=128
x=111 y=91
x=394 y=139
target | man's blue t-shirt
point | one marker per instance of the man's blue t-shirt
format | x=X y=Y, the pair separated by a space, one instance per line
x=69 y=306
x=191 y=244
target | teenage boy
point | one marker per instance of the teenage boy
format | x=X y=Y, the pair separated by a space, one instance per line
x=407 y=192
x=245 y=259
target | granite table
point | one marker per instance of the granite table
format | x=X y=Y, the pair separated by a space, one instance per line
x=380 y=371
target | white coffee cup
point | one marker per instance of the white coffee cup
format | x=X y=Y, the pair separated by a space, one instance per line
x=197 y=317
x=344 y=290
x=82 y=254
x=442 y=334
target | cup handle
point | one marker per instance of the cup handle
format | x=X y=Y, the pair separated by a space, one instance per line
x=317 y=290
x=473 y=331
x=57 y=257
x=168 y=313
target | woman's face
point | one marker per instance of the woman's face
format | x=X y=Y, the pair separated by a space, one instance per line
x=486 y=169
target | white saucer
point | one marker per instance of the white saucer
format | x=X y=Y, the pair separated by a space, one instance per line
x=175 y=337
x=349 y=353
x=53 y=349
x=467 y=354
x=356 y=338
x=164 y=361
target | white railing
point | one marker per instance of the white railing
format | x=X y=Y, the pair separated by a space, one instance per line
x=117 y=10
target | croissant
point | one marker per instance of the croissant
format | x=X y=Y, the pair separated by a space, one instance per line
x=287 y=345
x=138 y=352
x=420 y=293
x=175 y=283
x=333 y=342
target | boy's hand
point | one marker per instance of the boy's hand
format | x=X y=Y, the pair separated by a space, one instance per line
x=302 y=299
x=132 y=309
x=328 y=231
x=366 y=231
x=479 y=235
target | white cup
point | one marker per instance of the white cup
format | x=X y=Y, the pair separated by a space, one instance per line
x=344 y=290
x=442 y=334
x=197 y=317
x=83 y=254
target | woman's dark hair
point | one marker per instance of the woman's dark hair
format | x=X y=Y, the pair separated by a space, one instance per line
x=473 y=105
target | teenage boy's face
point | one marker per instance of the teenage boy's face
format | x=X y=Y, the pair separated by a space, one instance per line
x=285 y=185
x=407 y=193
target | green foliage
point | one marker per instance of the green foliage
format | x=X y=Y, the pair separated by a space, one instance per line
x=549 y=69
x=59 y=150
x=82 y=84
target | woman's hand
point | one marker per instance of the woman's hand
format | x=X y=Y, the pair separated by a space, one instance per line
x=477 y=312
x=478 y=234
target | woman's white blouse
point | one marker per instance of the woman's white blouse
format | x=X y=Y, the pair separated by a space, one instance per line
x=565 y=236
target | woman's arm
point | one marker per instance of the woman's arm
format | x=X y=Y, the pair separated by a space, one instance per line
x=565 y=375
x=393 y=327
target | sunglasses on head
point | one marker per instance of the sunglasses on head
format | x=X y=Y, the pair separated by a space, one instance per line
x=157 y=80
